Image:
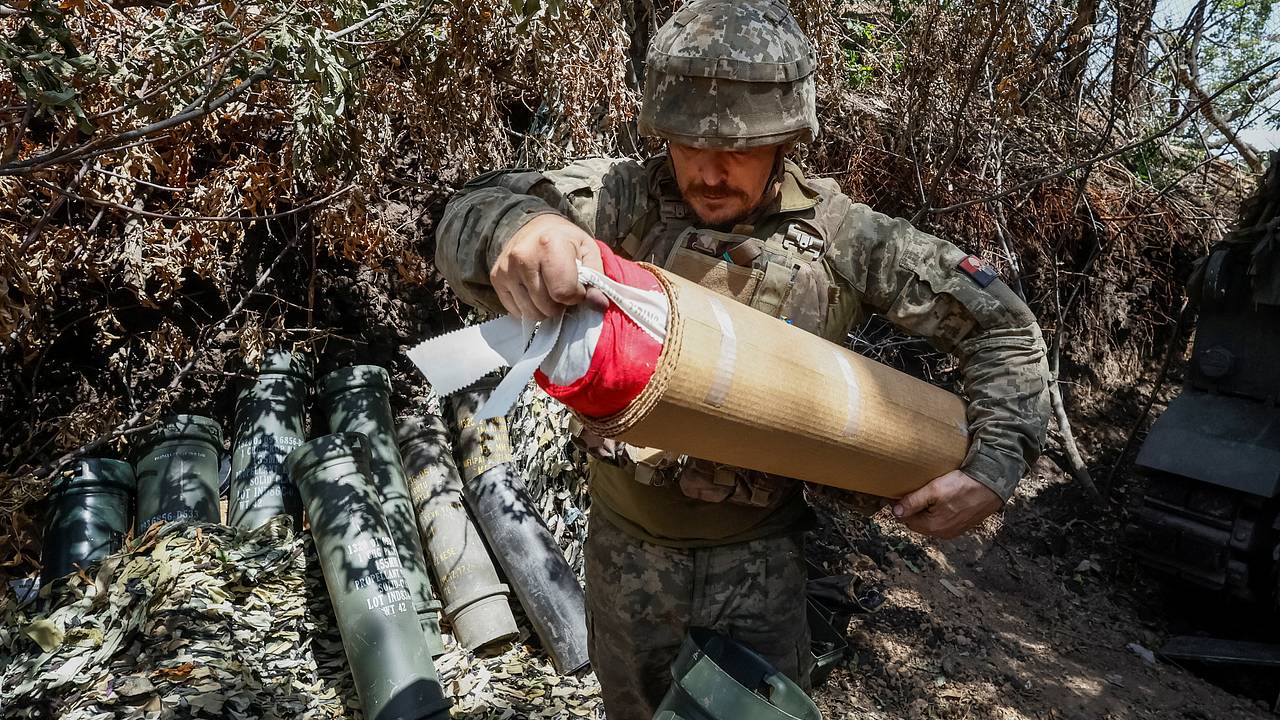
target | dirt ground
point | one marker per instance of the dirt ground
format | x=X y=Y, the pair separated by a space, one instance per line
x=1032 y=618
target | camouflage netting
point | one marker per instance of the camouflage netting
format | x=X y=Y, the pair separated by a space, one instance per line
x=199 y=621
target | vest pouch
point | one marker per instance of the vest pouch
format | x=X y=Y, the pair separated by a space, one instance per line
x=715 y=274
x=716 y=483
x=807 y=295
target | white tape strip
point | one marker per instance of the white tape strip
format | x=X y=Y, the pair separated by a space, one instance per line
x=723 y=378
x=646 y=308
x=852 y=394
x=456 y=360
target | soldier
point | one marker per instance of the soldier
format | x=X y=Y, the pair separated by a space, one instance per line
x=674 y=541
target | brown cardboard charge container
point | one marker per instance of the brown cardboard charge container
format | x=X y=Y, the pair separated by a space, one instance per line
x=736 y=386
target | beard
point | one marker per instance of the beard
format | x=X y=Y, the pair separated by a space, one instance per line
x=717 y=204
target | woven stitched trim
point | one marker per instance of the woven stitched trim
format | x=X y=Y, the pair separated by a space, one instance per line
x=633 y=414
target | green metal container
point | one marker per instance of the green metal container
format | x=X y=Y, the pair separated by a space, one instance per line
x=358 y=399
x=372 y=602
x=269 y=424
x=716 y=678
x=178 y=472
x=88 y=515
x=475 y=602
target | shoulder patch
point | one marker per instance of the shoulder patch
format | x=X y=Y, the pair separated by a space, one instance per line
x=978 y=270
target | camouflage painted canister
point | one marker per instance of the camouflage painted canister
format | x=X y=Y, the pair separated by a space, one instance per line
x=372 y=602
x=178 y=472
x=475 y=602
x=530 y=558
x=358 y=399
x=88 y=515
x=269 y=425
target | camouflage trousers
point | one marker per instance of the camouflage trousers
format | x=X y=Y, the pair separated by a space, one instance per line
x=642 y=597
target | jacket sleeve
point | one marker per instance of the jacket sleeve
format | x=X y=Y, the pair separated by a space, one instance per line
x=915 y=280
x=603 y=196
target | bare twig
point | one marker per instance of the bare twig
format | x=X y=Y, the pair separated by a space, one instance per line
x=242 y=219
x=140 y=181
x=1079 y=471
x=131 y=424
x=26 y=167
x=1164 y=130
x=1176 y=343
x=52 y=209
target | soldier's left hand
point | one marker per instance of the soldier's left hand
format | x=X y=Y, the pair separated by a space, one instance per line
x=947 y=506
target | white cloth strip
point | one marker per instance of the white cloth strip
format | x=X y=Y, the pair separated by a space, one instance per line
x=456 y=360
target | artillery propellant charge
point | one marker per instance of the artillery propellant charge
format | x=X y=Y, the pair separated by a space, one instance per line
x=269 y=425
x=178 y=472
x=372 y=600
x=475 y=602
x=358 y=399
x=88 y=515
x=532 y=561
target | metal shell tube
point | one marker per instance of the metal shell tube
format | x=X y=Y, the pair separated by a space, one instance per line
x=475 y=601
x=358 y=399
x=269 y=425
x=390 y=664
x=88 y=517
x=532 y=561
x=178 y=472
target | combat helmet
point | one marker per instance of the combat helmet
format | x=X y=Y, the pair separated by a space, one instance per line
x=730 y=75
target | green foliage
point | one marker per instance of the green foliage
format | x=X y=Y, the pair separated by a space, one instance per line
x=45 y=63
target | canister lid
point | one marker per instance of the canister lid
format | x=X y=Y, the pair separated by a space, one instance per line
x=372 y=377
x=324 y=449
x=195 y=428
x=282 y=361
x=467 y=402
x=95 y=474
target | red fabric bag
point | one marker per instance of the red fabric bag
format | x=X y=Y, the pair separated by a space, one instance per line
x=624 y=356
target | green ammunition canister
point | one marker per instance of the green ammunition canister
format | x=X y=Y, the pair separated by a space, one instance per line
x=475 y=602
x=372 y=602
x=178 y=472
x=358 y=399
x=716 y=678
x=88 y=515
x=533 y=563
x=269 y=425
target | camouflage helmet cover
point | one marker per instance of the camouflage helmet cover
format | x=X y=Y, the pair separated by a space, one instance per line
x=730 y=75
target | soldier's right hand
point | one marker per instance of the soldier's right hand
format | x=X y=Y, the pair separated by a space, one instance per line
x=536 y=276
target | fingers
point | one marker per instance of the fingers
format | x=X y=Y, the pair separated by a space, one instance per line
x=516 y=300
x=559 y=271
x=531 y=282
x=916 y=502
x=597 y=300
x=536 y=275
x=589 y=253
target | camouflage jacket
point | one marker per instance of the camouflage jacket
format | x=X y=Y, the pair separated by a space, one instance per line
x=877 y=264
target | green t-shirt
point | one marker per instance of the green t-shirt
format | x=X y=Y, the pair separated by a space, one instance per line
x=663 y=515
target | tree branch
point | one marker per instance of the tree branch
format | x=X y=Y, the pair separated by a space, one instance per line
x=1165 y=130
x=26 y=167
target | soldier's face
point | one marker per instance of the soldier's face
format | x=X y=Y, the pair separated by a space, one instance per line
x=722 y=186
